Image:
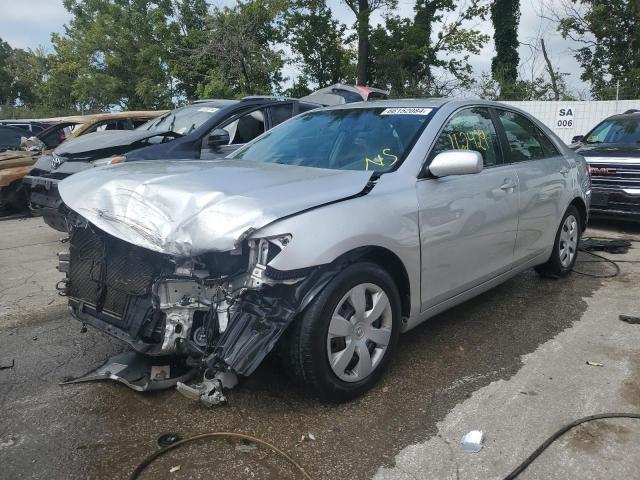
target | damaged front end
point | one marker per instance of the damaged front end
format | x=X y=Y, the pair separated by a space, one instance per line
x=219 y=311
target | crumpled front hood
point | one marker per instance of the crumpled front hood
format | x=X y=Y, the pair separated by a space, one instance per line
x=95 y=141
x=186 y=208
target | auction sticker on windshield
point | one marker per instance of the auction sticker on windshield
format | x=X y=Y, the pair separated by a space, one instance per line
x=406 y=111
x=208 y=109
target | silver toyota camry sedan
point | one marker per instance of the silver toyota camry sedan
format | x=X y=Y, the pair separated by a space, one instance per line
x=323 y=239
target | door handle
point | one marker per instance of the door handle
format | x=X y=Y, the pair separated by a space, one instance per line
x=564 y=171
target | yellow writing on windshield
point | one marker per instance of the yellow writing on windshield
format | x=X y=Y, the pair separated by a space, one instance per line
x=388 y=161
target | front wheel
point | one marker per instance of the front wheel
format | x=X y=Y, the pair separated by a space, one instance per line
x=565 y=248
x=343 y=342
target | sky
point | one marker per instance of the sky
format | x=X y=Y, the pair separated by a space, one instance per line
x=29 y=24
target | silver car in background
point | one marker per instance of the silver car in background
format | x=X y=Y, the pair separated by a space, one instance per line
x=324 y=238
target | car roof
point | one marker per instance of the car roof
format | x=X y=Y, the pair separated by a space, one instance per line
x=422 y=103
x=95 y=117
x=396 y=103
x=214 y=102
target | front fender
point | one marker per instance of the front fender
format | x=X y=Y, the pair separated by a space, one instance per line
x=386 y=217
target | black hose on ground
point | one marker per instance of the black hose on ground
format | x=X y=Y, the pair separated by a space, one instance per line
x=602 y=259
x=520 y=468
x=611 y=245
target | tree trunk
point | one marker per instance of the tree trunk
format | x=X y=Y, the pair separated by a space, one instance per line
x=552 y=74
x=363 y=42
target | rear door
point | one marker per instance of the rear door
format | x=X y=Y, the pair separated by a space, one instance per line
x=544 y=183
x=280 y=113
x=468 y=223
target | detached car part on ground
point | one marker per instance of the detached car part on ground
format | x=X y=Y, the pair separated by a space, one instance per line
x=16 y=164
x=323 y=239
x=612 y=150
x=203 y=130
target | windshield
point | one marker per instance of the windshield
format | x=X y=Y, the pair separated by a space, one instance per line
x=616 y=131
x=376 y=139
x=183 y=120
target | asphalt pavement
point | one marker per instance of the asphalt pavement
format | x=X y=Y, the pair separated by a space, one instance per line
x=511 y=362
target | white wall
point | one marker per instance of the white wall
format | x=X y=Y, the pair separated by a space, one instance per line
x=586 y=115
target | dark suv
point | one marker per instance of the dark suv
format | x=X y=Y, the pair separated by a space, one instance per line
x=612 y=150
x=205 y=129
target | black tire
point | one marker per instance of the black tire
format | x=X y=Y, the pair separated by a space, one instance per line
x=19 y=198
x=305 y=349
x=554 y=267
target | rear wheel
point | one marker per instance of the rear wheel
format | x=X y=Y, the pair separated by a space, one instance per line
x=565 y=248
x=343 y=342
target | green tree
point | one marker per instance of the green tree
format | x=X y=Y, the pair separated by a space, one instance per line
x=363 y=9
x=429 y=54
x=22 y=74
x=505 y=15
x=190 y=30
x=609 y=32
x=125 y=53
x=6 y=53
x=240 y=44
x=319 y=44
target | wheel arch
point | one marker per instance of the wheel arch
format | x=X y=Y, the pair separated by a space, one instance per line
x=582 y=210
x=391 y=263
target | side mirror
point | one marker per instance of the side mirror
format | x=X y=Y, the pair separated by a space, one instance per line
x=456 y=162
x=218 y=138
x=577 y=139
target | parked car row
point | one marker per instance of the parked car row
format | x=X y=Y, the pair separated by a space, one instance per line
x=612 y=150
x=218 y=233
x=22 y=148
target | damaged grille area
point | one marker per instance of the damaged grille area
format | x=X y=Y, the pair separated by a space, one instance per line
x=111 y=276
x=220 y=309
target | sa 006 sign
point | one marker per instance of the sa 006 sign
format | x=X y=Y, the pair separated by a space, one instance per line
x=565 y=119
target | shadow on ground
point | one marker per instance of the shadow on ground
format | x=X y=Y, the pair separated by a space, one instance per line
x=102 y=430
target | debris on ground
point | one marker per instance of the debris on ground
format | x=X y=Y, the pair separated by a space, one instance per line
x=209 y=391
x=594 y=364
x=309 y=437
x=139 y=372
x=5 y=364
x=174 y=469
x=472 y=441
x=246 y=446
x=630 y=319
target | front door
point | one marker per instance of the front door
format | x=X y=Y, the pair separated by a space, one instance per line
x=468 y=223
x=241 y=130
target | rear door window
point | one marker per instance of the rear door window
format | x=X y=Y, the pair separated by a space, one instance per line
x=470 y=129
x=281 y=113
x=526 y=140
